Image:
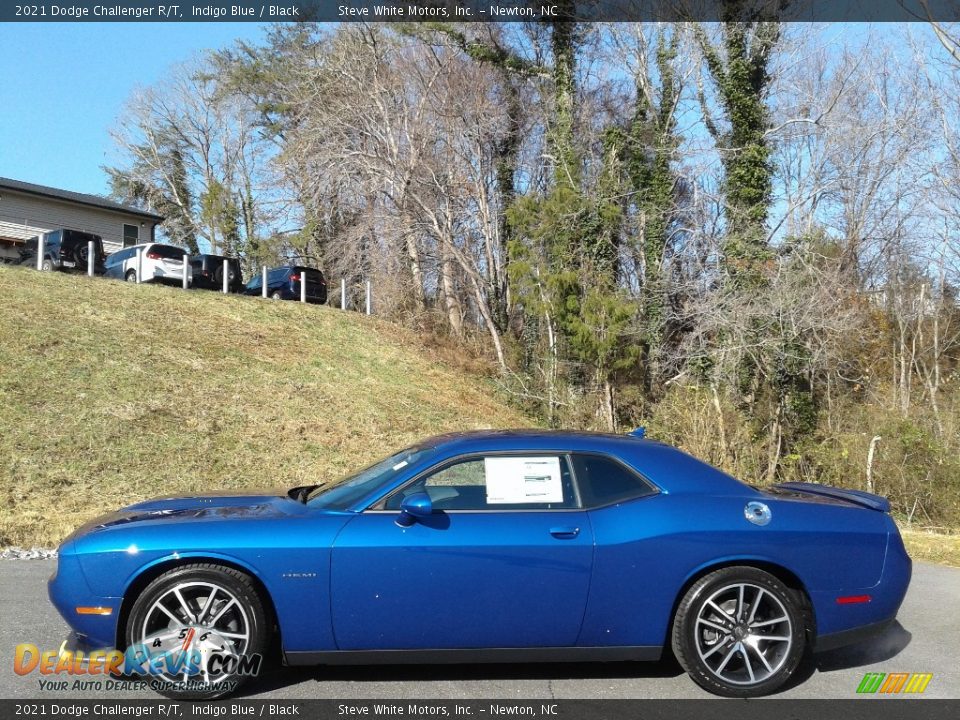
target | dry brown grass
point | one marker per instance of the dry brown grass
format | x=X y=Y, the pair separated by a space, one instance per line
x=112 y=393
x=932 y=547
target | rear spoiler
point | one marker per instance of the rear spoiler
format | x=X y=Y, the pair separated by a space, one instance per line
x=858 y=497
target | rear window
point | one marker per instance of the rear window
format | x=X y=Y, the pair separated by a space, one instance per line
x=604 y=481
x=313 y=275
x=74 y=236
x=168 y=252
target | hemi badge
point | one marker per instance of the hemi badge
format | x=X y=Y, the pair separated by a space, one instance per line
x=94 y=611
x=853 y=599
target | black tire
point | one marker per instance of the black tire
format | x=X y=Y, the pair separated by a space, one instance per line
x=47 y=265
x=218 y=276
x=229 y=582
x=276 y=295
x=700 y=632
x=131 y=276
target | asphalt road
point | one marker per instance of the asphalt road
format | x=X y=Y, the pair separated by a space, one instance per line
x=925 y=640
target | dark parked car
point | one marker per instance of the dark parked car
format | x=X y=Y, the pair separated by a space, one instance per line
x=283 y=283
x=208 y=272
x=65 y=250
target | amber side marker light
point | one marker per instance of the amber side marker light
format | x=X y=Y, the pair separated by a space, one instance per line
x=853 y=599
x=94 y=611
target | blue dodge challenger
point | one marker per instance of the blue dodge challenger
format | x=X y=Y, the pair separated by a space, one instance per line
x=492 y=546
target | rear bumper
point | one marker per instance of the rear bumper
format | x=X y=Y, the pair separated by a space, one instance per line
x=840 y=624
x=852 y=636
x=293 y=293
x=206 y=281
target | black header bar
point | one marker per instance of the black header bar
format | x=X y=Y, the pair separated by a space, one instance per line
x=480 y=10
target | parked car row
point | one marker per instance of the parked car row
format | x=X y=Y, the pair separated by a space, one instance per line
x=68 y=251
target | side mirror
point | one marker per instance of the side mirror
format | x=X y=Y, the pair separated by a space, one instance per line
x=417 y=505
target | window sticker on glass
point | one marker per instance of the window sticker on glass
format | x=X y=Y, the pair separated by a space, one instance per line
x=515 y=480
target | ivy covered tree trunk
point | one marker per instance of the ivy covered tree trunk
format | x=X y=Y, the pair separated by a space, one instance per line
x=566 y=172
x=507 y=153
x=740 y=71
x=650 y=149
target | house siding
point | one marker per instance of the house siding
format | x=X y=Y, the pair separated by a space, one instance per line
x=23 y=216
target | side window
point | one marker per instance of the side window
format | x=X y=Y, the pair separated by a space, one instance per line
x=131 y=235
x=118 y=257
x=497 y=482
x=603 y=481
x=114 y=259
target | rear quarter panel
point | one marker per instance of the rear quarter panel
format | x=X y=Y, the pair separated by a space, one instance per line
x=649 y=550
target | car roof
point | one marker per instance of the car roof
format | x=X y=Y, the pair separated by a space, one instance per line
x=529 y=437
x=668 y=467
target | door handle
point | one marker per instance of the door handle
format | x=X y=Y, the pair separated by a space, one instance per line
x=565 y=533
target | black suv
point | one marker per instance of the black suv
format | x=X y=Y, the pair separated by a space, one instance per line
x=208 y=272
x=65 y=250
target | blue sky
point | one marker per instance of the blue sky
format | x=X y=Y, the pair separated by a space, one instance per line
x=63 y=85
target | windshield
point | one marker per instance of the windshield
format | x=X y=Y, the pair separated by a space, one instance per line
x=343 y=493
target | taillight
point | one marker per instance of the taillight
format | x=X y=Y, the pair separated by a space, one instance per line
x=153 y=256
x=853 y=599
x=294 y=278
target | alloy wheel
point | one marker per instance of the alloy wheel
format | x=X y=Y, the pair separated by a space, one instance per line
x=196 y=617
x=743 y=634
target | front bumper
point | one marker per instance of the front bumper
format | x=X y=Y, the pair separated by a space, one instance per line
x=68 y=590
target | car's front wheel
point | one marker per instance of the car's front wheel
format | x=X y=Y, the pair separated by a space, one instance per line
x=740 y=632
x=131 y=276
x=198 y=631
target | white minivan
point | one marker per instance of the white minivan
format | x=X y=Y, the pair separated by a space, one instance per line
x=151 y=262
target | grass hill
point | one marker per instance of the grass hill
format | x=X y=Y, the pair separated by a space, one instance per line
x=112 y=393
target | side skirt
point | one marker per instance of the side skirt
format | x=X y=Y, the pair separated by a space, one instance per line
x=474 y=655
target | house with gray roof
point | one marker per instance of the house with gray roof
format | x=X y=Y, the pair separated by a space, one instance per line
x=26 y=210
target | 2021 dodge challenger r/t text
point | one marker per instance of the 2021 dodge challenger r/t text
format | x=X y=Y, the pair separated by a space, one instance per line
x=490 y=546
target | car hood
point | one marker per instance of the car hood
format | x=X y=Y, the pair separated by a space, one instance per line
x=206 y=506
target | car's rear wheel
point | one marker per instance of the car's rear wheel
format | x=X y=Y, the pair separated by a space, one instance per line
x=277 y=295
x=131 y=276
x=740 y=632
x=201 y=620
x=47 y=265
